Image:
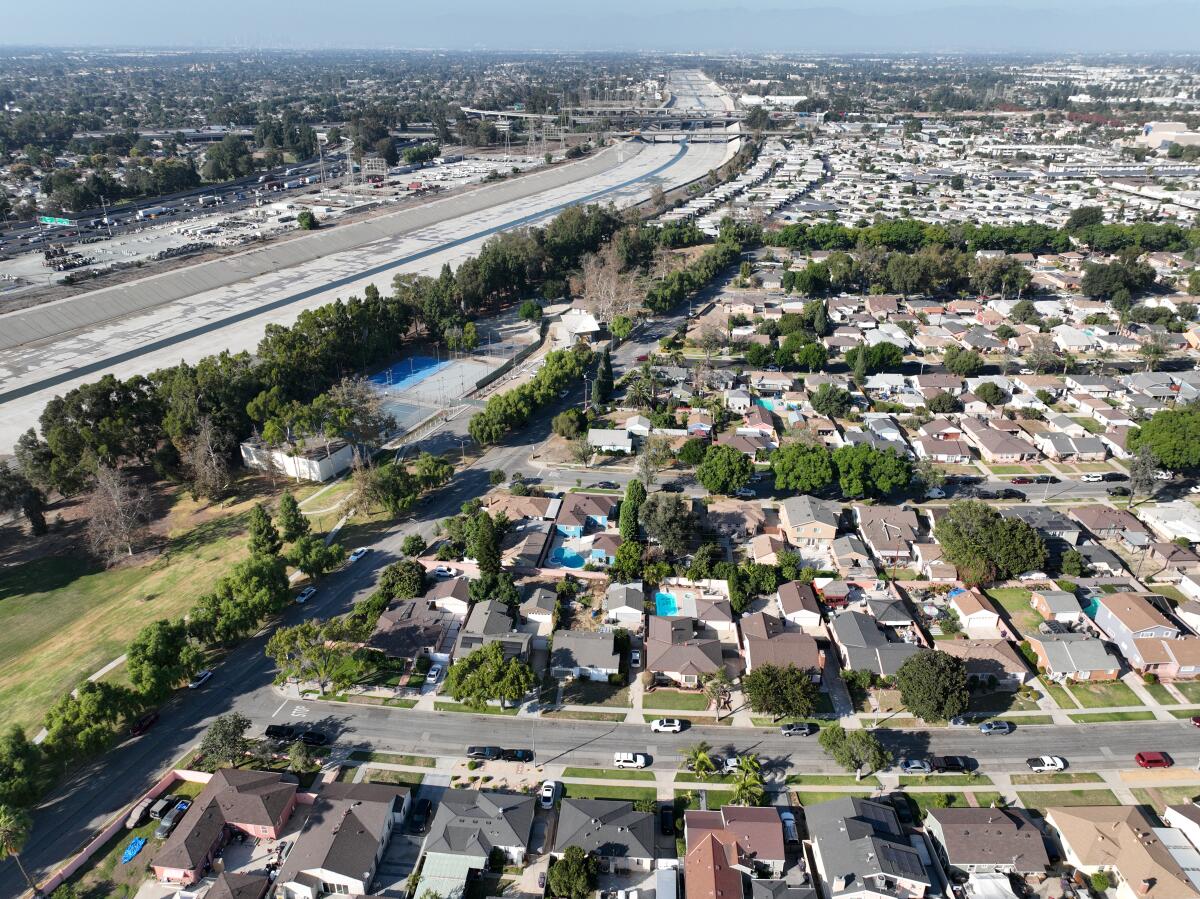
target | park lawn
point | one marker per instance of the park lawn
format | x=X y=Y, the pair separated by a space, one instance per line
x=609 y=773
x=674 y=699
x=64 y=617
x=573 y=715
x=603 y=791
x=1015 y=602
x=831 y=780
x=582 y=691
x=1044 y=799
x=1161 y=693
x=459 y=707
x=1159 y=798
x=1059 y=694
x=1190 y=689
x=1107 y=717
x=1104 y=694
x=1058 y=777
x=401 y=778
x=393 y=758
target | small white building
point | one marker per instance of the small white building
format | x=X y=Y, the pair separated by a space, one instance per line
x=317 y=461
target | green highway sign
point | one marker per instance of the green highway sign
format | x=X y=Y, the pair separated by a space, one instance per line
x=52 y=220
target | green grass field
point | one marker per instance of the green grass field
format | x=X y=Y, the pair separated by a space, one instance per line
x=674 y=699
x=603 y=791
x=1104 y=694
x=1159 y=798
x=458 y=707
x=609 y=773
x=831 y=780
x=1044 y=799
x=393 y=758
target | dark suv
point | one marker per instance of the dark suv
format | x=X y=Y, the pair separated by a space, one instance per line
x=281 y=732
x=486 y=753
x=957 y=763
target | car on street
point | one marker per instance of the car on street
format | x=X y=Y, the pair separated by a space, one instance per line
x=985 y=494
x=630 y=760
x=200 y=679
x=432 y=675
x=1153 y=760
x=1114 y=476
x=787 y=818
x=730 y=765
x=745 y=493
x=1196 y=721
x=306 y=594
x=635 y=658
x=1195 y=488
x=548 y=793
x=359 y=553
x=139 y=813
x=666 y=820
x=798 y=729
x=671 y=487
x=420 y=815
x=171 y=819
x=444 y=571
x=1161 y=475
x=960 y=721
x=935 y=493
x=283 y=733
x=958 y=764
x=1118 y=491
x=1091 y=478
x=1020 y=480
x=666 y=725
x=605 y=485
x=314 y=738
x=517 y=755
x=1045 y=479
x=143 y=724
x=1045 y=763
x=1032 y=576
x=996 y=728
x=914 y=766
x=1010 y=494
x=484 y=753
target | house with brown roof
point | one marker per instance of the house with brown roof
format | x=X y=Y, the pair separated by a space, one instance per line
x=810 y=522
x=452 y=595
x=735 y=518
x=754 y=833
x=579 y=511
x=257 y=803
x=514 y=508
x=994 y=663
x=1121 y=839
x=766 y=640
x=1177 y=659
x=749 y=445
x=997 y=446
x=682 y=650
x=1106 y=522
x=889 y=531
x=713 y=870
x=988 y=840
x=798 y=604
x=977 y=614
x=409 y=628
x=1129 y=618
x=765 y=549
x=1174 y=560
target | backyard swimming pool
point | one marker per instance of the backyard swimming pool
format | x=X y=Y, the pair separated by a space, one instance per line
x=769 y=405
x=665 y=603
x=565 y=557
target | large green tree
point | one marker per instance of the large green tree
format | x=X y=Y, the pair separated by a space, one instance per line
x=1173 y=436
x=865 y=471
x=310 y=554
x=855 y=750
x=159 y=657
x=292 y=523
x=984 y=546
x=667 y=518
x=225 y=740
x=933 y=685
x=724 y=470
x=573 y=876
x=781 y=691
x=15 y=825
x=802 y=467
x=484 y=674
x=264 y=538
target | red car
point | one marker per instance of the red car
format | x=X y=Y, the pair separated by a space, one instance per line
x=1153 y=760
x=1021 y=481
x=1196 y=721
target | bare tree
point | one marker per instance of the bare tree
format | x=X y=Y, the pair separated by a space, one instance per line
x=607 y=290
x=1042 y=355
x=358 y=406
x=656 y=455
x=118 y=510
x=207 y=463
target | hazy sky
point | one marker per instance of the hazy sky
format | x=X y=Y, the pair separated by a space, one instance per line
x=1054 y=26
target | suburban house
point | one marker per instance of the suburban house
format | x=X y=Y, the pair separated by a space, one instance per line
x=978 y=616
x=607 y=440
x=888 y=531
x=625 y=604
x=766 y=641
x=409 y=628
x=988 y=840
x=232 y=885
x=753 y=835
x=994 y=663
x=466 y=828
x=581 y=510
x=492 y=622
x=257 y=803
x=861 y=851
x=586 y=654
x=1172 y=561
x=516 y=508
x=343 y=841
x=620 y=838
x=810 y=522
x=713 y=870
x=1050 y=523
x=1129 y=618
x=798 y=604
x=1121 y=839
x=735 y=518
x=865 y=646
x=1074 y=657
x=681 y=650
x=452 y=595
x=1172 y=659
x=1057 y=605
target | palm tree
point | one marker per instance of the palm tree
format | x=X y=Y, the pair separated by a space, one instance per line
x=14 y=831
x=716 y=688
x=699 y=760
x=748 y=782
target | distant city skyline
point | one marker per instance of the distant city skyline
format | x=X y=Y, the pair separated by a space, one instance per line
x=976 y=26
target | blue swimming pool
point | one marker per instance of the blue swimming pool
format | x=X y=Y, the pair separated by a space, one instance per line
x=665 y=603
x=565 y=557
x=769 y=405
x=1091 y=607
x=408 y=372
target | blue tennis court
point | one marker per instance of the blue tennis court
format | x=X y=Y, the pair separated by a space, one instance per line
x=409 y=372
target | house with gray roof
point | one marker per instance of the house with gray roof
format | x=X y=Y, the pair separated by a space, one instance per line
x=625 y=604
x=589 y=654
x=1074 y=657
x=861 y=851
x=611 y=830
x=865 y=645
x=343 y=841
x=492 y=622
x=466 y=828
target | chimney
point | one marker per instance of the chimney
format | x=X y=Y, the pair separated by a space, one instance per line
x=1145 y=886
x=840 y=882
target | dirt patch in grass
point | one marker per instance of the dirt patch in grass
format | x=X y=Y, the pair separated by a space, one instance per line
x=393 y=758
x=582 y=691
x=572 y=715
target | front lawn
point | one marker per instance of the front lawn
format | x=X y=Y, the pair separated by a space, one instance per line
x=945 y=780
x=393 y=758
x=1058 y=777
x=832 y=780
x=609 y=773
x=1161 y=694
x=675 y=699
x=1104 y=695
x=1107 y=717
x=576 y=715
x=582 y=691
x=1189 y=688
x=1044 y=799
x=459 y=707
x=400 y=778
x=1000 y=701
x=603 y=791
x=1159 y=798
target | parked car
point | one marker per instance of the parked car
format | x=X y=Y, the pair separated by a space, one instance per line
x=1153 y=760
x=730 y=765
x=1045 y=763
x=359 y=553
x=935 y=493
x=798 y=729
x=666 y=725
x=791 y=833
x=671 y=487
x=433 y=674
x=985 y=494
x=1119 y=491
x=1021 y=480
x=635 y=658
x=171 y=819
x=914 y=766
x=630 y=760
x=548 y=793
x=1114 y=476
x=990 y=728
x=284 y=733
x=314 y=738
x=484 y=753
x=420 y=815
x=1032 y=576
x=200 y=679
x=955 y=763
x=444 y=571
x=159 y=807
x=1161 y=475
x=143 y=724
x=666 y=820
x=745 y=493
x=139 y=813
x=306 y=594
x=517 y=755
x=1091 y=478
x=1010 y=494
x=606 y=485
x=1196 y=721
x=1045 y=479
